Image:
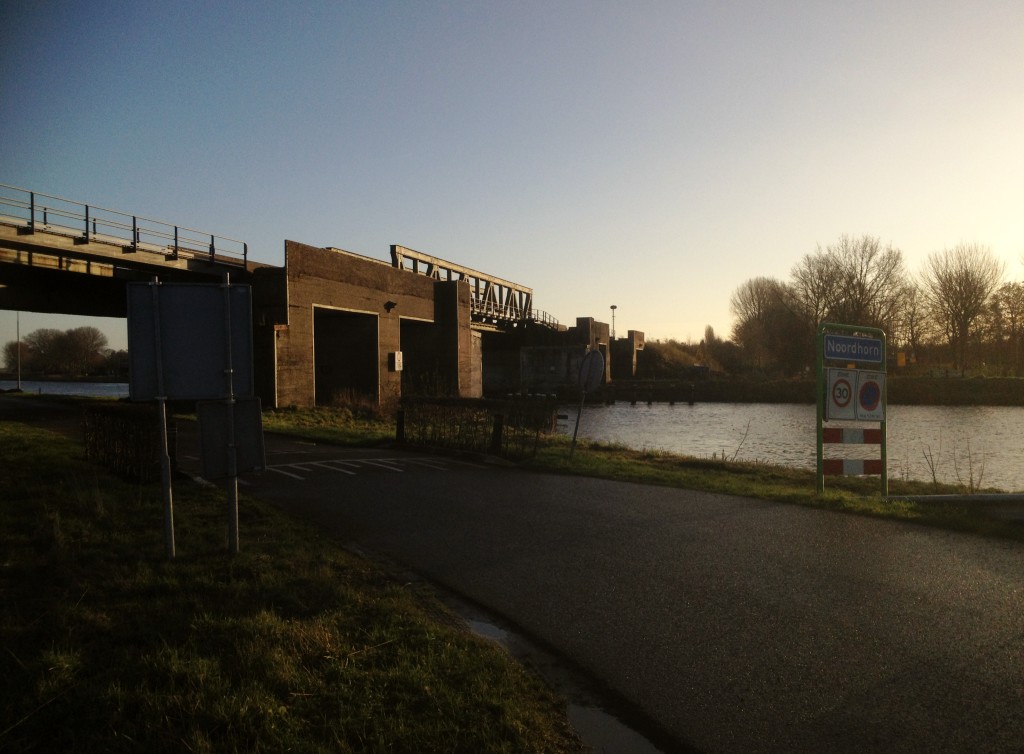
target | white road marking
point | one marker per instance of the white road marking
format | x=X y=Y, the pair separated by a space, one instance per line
x=384 y=463
x=278 y=470
x=429 y=463
x=332 y=466
x=351 y=466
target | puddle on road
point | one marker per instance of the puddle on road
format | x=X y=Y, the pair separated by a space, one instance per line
x=489 y=631
x=600 y=731
x=604 y=733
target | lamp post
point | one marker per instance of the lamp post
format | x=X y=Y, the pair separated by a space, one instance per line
x=614 y=307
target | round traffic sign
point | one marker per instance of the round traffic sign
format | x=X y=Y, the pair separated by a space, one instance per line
x=870 y=395
x=591 y=371
x=841 y=392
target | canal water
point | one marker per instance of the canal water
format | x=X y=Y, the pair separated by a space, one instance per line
x=953 y=444
x=47 y=387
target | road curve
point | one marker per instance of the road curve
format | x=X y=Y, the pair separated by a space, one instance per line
x=734 y=624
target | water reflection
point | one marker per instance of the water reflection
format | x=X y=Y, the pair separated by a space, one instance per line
x=54 y=387
x=949 y=443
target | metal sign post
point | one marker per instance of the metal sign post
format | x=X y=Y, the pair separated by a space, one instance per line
x=851 y=394
x=168 y=362
x=165 y=478
x=232 y=457
x=165 y=456
x=17 y=325
x=590 y=376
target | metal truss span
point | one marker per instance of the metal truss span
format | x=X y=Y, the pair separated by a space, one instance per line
x=492 y=297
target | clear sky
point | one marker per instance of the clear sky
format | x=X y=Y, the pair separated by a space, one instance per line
x=651 y=155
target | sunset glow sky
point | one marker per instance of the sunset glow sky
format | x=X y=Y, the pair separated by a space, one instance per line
x=651 y=155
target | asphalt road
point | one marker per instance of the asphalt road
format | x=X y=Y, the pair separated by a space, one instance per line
x=734 y=624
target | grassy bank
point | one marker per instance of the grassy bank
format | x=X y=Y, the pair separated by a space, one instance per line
x=293 y=645
x=859 y=495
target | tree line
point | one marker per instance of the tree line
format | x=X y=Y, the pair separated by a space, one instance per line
x=78 y=352
x=956 y=312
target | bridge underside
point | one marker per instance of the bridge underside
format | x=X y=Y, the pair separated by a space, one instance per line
x=34 y=289
x=52 y=273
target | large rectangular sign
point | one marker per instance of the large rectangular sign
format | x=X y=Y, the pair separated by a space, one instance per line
x=178 y=336
x=247 y=427
x=852 y=348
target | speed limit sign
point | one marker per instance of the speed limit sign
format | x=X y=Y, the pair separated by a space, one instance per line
x=841 y=400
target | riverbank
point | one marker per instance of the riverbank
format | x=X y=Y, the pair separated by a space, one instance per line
x=909 y=391
x=908 y=499
x=25 y=377
x=902 y=390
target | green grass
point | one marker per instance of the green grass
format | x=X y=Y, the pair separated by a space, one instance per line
x=292 y=645
x=859 y=495
x=336 y=425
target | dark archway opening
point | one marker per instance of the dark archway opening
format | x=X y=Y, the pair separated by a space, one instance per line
x=345 y=357
x=423 y=370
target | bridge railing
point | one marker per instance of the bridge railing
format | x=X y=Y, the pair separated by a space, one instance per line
x=92 y=224
x=544 y=318
x=490 y=296
x=506 y=313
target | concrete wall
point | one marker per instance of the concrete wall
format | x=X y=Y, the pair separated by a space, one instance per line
x=623 y=353
x=549 y=361
x=345 y=305
x=549 y=369
x=589 y=332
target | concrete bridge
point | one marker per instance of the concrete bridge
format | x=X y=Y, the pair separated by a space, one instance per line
x=66 y=257
x=329 y=326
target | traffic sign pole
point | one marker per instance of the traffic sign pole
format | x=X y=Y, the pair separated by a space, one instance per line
x=850 y=393
x=591 y=375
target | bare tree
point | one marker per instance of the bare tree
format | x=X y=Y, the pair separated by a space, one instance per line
x=769 y=326
x=44 y=351
x=83 y=349
x=752 y=305
x=854 y=281
x=11 y=355
x=1006 y=323
x=814 y=285
x=911 y=328
x=956 y=284
x=73 y=352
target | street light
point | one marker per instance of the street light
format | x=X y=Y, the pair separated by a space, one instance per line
x=614 y=307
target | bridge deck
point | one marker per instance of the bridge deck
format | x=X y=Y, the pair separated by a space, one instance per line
x=32 y=213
